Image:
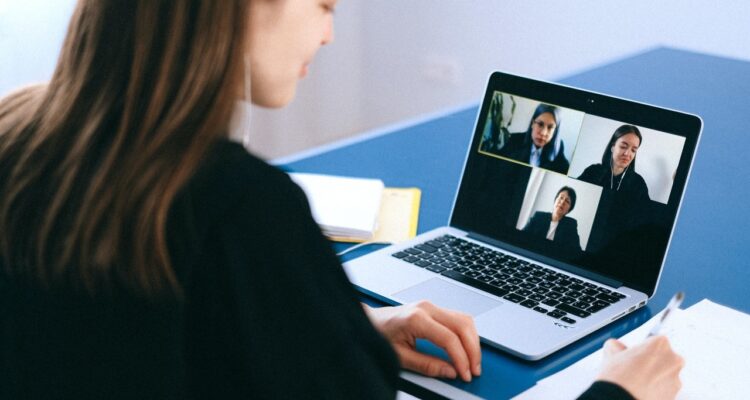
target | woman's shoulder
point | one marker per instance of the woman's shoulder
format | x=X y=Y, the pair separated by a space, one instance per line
x=230 y=168
x=231 y=177
x=592 y=173
x=639 y=185
x=541 y=215
x=594 y=168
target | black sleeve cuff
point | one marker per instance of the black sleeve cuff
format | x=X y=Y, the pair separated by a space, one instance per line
x=601 y=390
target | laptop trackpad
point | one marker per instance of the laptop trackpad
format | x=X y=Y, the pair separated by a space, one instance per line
x=448 y=295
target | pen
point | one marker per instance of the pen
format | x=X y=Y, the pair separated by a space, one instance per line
x=673 y=304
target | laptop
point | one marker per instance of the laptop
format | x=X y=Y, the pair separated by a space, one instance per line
x=562 y=220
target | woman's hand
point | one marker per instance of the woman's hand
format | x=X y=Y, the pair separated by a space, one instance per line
x=650 y=370
x=450 y=330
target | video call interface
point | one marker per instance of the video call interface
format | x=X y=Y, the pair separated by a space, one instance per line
x=575 y=187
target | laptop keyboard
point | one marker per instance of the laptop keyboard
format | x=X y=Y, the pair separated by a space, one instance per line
x=533 y=286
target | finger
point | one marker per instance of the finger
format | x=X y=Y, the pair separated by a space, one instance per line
x=447 y=340
x=425 y=364
x=463 y=326
x=613 y=346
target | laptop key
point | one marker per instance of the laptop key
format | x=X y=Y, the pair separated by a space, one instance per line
x=523 y=292
x=573 y=310
x=435 y=243
x=550 y=302
x=514 y=298
x=568 y=320
x=435 y=268
x=401 y=254
x=600 y=303
x=587 y=299
x=581 y=304
x=556 y=314
x=475 y=283
x=426 y=248
x=412 y=251
x=423 y=263
x=536 y=297
x=540 y=309
x=595 y=309
x=607 y=298
x=411 y=259
x=529 y=303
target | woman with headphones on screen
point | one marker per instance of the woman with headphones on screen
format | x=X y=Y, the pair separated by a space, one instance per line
x=624 y=203
x=144 y=255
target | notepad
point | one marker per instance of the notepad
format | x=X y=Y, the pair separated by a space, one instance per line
x=355 y=210
x=710 y=337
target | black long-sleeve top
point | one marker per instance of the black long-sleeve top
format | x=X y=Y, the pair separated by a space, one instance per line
x=267 y=312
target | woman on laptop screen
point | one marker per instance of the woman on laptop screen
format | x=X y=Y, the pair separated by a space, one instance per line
x=557 y=226
x=145 y=255
x=541 y=145
x=624 y=191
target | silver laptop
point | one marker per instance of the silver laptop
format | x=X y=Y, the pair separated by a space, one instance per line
x=562 y=220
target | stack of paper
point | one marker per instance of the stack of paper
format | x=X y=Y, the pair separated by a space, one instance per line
x=358 y=209
x=710 y=337
x=343 y=207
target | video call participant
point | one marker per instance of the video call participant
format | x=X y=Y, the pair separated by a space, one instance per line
x=557 y=226
x=617 y=170
x=624 y=200
x=541 y=145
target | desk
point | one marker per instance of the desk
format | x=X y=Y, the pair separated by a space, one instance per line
x=709 y=253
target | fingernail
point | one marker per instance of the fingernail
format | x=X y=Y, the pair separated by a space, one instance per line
x=467 y=374
x=478 y=369
x=448 y=372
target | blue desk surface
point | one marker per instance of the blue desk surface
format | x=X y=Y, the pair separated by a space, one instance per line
x=708 y=257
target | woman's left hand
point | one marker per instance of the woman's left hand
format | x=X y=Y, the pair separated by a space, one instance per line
x=452 y=331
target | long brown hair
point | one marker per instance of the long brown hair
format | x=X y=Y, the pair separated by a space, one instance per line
x=90 y=163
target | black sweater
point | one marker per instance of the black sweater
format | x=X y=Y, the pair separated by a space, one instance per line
x=268 y=311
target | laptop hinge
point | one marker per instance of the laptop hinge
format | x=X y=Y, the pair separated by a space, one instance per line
x=546 y=260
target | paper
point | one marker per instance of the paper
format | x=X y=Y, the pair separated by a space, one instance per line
x=710 y=337
x=343 y=206
x=397 y=219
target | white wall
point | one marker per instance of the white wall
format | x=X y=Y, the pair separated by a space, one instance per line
x=31 y=33
x=396 y=59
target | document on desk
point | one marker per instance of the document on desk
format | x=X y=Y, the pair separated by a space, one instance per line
x=710 y=337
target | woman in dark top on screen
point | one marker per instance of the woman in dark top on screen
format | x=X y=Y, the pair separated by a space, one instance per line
x=541 y=145
x=557 y=226
x=624 y=192
x=617 y=172
x=144 y=255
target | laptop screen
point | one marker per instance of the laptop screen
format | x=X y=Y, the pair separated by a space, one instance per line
x=580 y=180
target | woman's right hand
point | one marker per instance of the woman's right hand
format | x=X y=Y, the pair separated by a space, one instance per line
x=650 y=370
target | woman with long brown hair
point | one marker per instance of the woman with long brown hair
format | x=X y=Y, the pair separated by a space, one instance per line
x=144 y=255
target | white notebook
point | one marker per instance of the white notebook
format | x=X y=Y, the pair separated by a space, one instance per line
x=343 y=206
x=710 y=337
